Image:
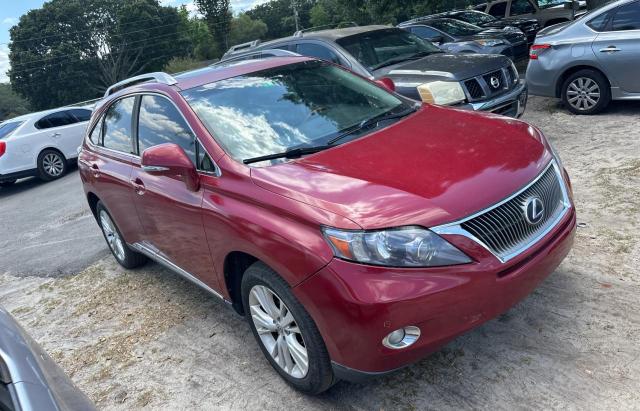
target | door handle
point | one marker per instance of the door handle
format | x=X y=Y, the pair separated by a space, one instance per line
x=56 y=135
x=138 y=186
x=96 y=170
x=610 y=49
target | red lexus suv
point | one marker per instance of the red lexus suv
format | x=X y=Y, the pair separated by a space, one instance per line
x=357 y=230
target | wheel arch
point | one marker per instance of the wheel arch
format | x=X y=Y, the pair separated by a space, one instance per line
x=93 y=200
x=235 y=264
x=574 y=69
x=52 y=148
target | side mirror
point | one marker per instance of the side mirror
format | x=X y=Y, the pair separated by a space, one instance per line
x=387 y=83
x=436 y=39
x=170 y=160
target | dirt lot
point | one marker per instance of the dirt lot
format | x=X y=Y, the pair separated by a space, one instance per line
x=147 y=339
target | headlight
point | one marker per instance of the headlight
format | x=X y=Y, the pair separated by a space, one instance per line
x=490 y=42
x=515 y=72
x=555 y=154
x=396 y=247
x=441 y=92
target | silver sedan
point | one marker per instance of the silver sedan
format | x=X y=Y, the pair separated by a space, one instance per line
x=590 y=61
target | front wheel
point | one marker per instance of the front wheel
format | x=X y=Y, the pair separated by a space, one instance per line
x=287 y=335
x=586 y=92
x=125 y=256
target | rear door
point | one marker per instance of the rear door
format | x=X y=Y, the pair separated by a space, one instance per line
x=617 y=47
x=171 y=215
x=60 y=130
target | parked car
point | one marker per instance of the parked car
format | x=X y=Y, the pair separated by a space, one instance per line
x=546 y=12
x=455 y=36
x=591 y=61
x=29 y=378
x=356 y=229
x=528 y=26
x=417 y=68
x=41 y=144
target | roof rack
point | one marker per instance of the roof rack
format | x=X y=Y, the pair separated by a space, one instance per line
x=158 y=76
x=341 y=25
x=243 y=46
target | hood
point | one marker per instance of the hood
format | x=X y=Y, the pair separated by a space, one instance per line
x=443 y=66
x=433 y=167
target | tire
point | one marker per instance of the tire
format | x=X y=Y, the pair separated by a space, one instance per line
x=124 y=255
x=582 y=88
x=259 y=280
x=51 y=165
x=7 y=183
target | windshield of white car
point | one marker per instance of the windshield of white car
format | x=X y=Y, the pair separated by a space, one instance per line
x=7 y=128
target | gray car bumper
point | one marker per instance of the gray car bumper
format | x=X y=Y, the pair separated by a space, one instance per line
x=511 y=104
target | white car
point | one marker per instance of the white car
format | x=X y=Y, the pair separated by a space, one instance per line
x=41 y=144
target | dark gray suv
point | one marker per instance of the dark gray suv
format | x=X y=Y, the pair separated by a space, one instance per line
x=418 y=68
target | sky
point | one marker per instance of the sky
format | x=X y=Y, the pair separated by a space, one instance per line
x=10 y=12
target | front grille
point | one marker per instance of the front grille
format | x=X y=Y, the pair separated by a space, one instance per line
x=474 y=89
x=504 y=229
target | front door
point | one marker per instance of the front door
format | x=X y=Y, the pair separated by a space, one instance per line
x=618 y=48
x=171 y=214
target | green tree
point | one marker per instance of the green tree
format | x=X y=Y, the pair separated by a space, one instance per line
x=11 y=104
x=71 y=50
x=318 y=15
x=278 y=16
x=218 y=17
x=198 y=39
x=244 y=28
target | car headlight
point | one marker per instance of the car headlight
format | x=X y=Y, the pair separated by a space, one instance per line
x=441 y=92
x=555 y=154
x=395 y=247
x=490 y=42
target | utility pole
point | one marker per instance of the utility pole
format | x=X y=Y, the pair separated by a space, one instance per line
x=295 y=14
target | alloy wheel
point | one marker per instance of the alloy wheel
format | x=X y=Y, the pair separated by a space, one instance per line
x=583 y=93
x=53 y=164
x=278 y=331
x=112 y=236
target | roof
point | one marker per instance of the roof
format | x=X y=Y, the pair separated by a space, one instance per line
x=336 y=34
x=28 y=116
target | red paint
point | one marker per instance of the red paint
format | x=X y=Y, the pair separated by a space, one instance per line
x=433 y=167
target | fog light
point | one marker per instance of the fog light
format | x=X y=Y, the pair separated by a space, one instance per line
x=401 y=338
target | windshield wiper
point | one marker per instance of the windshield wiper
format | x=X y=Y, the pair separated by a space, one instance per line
x=293 y=153
x=372 y=121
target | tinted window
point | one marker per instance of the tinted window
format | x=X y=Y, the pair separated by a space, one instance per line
x=521 y=7
x=7 y=128
x=55 y=120
x=498 y=9
x=627 y=17
x=455 y=27
x=297 y=105
x=80 y=114
x=316 y=50
x=599 y=23
x=204 y=161
x=475 y=17
x=117 y=126
x=94 y=137
x=376 y=49
x=161 y=122
x=425 y=32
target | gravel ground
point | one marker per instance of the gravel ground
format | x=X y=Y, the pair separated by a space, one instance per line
x=148 y=339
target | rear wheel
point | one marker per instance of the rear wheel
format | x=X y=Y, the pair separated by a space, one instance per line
x=287 y=335
x=586 y=92
x=51 y=165
x=7 y=183
x=125 y=256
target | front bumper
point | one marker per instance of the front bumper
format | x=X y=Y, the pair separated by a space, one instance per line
x=510 y=104
x=356 y=306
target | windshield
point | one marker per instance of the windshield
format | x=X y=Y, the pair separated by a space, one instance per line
x=7 y=128
x=376 y=49
x=475 y=17
x=455 y=27
x=544 y=4
x=283 y=108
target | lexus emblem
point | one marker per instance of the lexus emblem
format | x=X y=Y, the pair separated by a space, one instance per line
x=533 y=210
x=495 y=82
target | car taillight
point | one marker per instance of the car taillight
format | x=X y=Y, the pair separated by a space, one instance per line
x=3 y=148
x=387 y=83
x=536 y=49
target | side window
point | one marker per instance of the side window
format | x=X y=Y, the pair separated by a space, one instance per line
x=161 y=122
x=316 y=50
x=95 y=135
x=599 y=23
x=117 y=126
x=204 y=161
x=498 y=9
x=58 y=119
x=425 y=32
x=521 y=7
x=627 y=17
x=80 y=114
